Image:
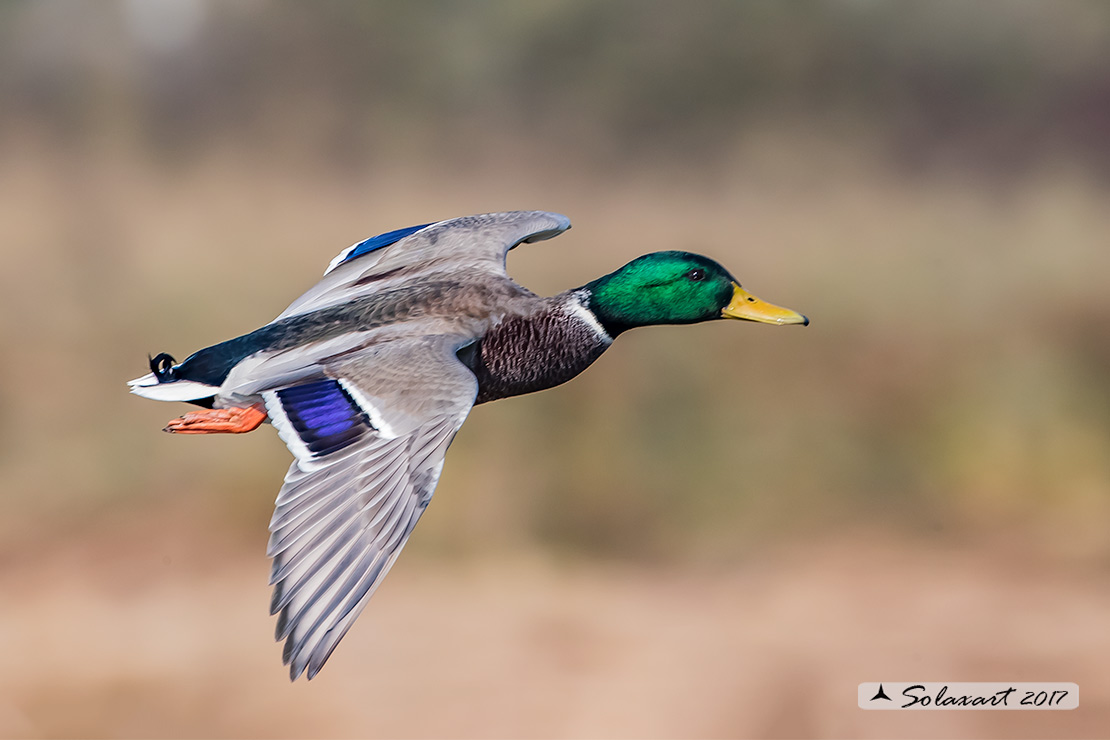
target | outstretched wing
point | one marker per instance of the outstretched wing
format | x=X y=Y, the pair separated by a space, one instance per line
x=369 y=442
x=443 y=248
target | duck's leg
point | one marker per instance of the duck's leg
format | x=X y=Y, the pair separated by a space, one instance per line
x=232 y=420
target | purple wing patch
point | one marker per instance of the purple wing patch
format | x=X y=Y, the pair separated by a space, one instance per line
x=324 y=416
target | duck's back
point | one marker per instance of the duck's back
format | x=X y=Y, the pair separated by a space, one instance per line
x=466 y=305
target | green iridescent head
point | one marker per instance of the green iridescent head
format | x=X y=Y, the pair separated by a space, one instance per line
x=676 y=288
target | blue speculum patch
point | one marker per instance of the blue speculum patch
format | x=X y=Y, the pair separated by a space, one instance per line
x=324 y=415
x=381 y=240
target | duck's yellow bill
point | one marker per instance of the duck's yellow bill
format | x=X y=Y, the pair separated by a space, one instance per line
x=747 y=307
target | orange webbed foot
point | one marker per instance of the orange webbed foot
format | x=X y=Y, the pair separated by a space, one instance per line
x=232 y=420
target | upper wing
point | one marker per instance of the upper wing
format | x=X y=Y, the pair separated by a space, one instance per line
x=369 y=443
x=471 y=242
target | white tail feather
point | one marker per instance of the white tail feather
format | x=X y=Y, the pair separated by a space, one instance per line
x=174 y=390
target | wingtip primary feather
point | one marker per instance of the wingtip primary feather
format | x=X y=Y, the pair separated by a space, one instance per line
x=561 y=224
x=276 y=606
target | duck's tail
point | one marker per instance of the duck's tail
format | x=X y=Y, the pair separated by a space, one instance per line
x=162 y=383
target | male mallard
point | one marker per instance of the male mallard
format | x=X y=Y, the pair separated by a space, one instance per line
x=368 y=376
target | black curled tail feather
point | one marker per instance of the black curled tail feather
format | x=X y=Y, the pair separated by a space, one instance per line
x=162 y=366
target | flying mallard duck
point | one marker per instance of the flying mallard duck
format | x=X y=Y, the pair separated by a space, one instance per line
x=368 y=376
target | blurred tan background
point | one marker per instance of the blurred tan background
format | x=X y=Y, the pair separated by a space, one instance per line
x=718 y=530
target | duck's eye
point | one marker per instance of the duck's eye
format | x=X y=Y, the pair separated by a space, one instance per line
x=696 y=274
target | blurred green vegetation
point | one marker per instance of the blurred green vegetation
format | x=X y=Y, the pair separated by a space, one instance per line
x=1004 y=83
x=926 y=180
